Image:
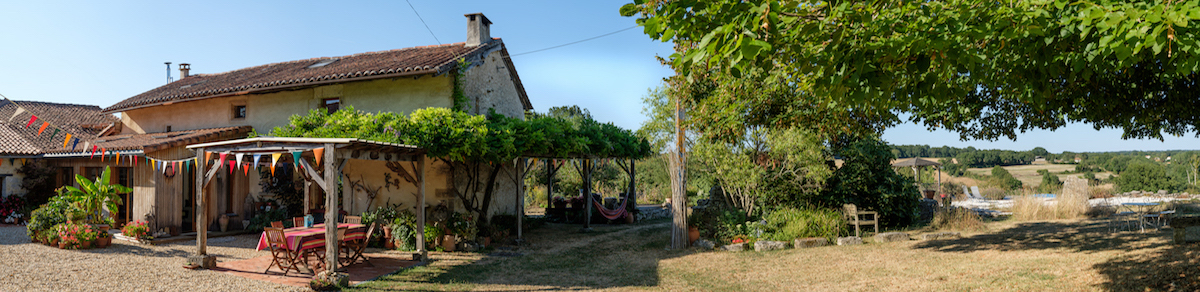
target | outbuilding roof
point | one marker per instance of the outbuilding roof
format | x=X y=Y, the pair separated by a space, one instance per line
x=83 y=121
x=437 y=59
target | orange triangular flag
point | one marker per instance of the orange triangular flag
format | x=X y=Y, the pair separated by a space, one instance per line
x=245 y=169
x=43 y=128
x=317 y=153
x=207 y=156
x=118 y=159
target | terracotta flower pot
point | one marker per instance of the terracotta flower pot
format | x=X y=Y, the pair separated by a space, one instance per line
x=448 y=242
x=103 y=242
x=86 y=245
x=387 y=238
x=62 y=245
x=487 y=241
x=693 y=234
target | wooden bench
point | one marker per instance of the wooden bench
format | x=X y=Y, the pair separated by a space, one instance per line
x=855 y=217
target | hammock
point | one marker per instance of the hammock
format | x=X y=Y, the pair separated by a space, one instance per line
x=611 y=214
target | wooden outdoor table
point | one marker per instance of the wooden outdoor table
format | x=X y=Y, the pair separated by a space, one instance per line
x=300 y=239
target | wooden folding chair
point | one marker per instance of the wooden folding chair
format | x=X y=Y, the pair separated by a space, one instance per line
x=298 y=222
x=281 y=254
x=354 y=219
x=277 y=224
x=355 y=249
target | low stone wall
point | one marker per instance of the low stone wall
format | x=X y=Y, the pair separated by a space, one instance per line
x=654 y=212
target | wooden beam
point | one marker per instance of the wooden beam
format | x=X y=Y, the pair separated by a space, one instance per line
x=211 y=173
x=331 y=212
x=312 y=173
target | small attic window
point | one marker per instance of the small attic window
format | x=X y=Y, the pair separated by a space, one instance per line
x=322 y=63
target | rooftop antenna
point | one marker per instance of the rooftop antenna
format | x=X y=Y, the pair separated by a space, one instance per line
x=168 y=72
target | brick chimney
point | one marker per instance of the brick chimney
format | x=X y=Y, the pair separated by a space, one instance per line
x=184 y=68
x=478 y=29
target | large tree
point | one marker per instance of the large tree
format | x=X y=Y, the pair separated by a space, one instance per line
x=985 y=69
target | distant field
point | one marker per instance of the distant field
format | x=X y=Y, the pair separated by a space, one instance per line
x=1029 y=176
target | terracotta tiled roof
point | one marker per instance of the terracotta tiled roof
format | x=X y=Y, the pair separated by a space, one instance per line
x=157 y=141
x=384 y=64
x=84 y=121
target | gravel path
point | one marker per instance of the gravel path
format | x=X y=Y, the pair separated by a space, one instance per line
x=124 y=266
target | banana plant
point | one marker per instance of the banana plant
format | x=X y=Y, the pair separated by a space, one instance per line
x=92 y=197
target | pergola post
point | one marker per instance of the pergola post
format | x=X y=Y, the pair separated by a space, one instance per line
x=201 y=257
x=631 y=196
x=587 y=192
x=549 y=183
x=424 y=254
x=520 y=196
x=331 y=219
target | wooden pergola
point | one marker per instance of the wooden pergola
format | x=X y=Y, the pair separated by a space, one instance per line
x=917 y=164
x=334 y=154
x=587 y=165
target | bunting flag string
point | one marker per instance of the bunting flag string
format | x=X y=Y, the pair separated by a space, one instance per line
x=47 y=125
x=19 y=111
x=274 y=161
x=296 y=159
x=317 y=154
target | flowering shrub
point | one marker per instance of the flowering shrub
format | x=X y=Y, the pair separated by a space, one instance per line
x=10 y=205
x=136 y=229
x=75 y=234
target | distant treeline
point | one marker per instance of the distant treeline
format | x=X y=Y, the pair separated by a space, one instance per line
x=971 y=157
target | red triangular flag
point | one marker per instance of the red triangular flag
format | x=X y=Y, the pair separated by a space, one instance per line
x=94 y=148
x=232 y=165
x=31 y=119
x=134 y=157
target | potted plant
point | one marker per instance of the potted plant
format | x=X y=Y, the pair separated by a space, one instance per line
x=433 y=235
x=136 y=230
x=560 y=202
x=693 y=228
x=92 y=197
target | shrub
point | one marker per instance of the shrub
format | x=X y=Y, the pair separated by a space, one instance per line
x=867 y=180
x=1001 y=178
x=955 y=218
x=1050 y=182
x=789 y=223
x=1145 y=176
x=264 y=219
x=42 y=219
x=404 y=227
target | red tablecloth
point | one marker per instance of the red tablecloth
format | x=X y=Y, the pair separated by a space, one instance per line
x=300 y=238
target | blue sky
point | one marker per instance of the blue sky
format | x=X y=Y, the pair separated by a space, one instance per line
x=101 y=52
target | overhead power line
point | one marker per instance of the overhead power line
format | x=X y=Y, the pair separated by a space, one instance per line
x=576 y=42
x=414 y=9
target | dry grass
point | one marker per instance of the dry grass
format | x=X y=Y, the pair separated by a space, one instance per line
x=1056 y=255
x=1029 y=177
x=1071 y=202
x=958 y=219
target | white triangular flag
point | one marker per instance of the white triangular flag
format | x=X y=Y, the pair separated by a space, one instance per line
x=19 y=111
x=238 y=158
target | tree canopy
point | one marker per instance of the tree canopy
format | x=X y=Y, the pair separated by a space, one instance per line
x=458 y=136
x=985 y=69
